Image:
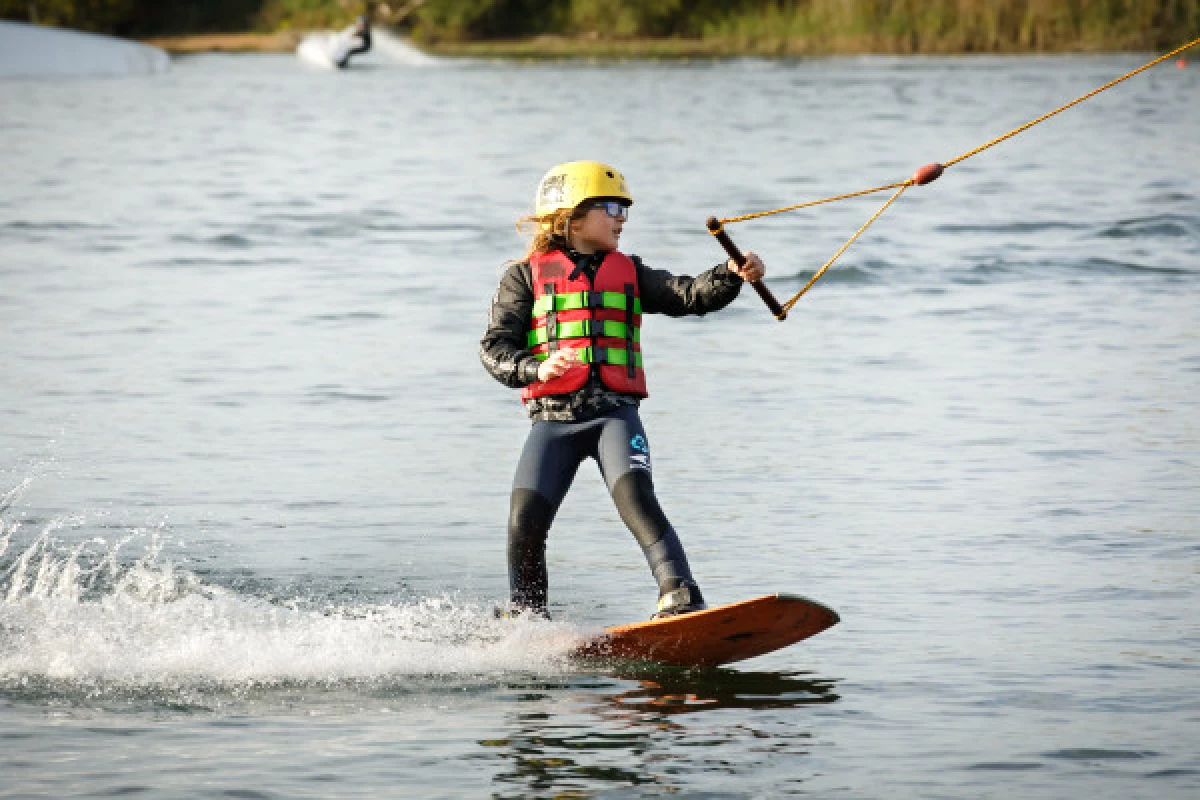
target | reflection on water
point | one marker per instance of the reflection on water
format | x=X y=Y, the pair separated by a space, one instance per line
x=684 y=691
x=630 y=730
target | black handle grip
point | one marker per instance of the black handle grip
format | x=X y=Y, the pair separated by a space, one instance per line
x=718 y=230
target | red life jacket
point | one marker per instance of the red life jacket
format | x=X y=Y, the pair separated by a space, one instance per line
x=600 y=317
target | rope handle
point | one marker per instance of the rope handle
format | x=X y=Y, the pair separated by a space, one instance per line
x=718 y=230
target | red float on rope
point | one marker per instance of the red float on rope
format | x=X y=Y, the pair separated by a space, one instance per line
x=928 y=174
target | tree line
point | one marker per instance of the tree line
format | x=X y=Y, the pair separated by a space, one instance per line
x=756 y=25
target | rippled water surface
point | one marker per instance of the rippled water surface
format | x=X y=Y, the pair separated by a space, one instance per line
x=255 y=480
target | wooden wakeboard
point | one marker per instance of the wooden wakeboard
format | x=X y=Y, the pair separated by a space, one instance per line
x=714 y=636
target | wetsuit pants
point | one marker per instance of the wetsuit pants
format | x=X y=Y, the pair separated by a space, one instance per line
x=552 y=455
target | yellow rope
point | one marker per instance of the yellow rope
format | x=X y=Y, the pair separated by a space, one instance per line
x=1074 y=102
x=798 y=206
x=788 y=305
x=902 y=185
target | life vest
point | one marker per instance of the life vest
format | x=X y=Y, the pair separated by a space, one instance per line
x=601 y=318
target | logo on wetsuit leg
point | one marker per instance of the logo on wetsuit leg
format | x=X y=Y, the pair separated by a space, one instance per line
x=640 y=457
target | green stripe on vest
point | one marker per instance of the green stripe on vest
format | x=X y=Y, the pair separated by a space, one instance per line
x=581 y=329
x=573 y=301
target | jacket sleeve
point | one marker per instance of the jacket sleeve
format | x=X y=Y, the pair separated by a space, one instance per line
x=503 y=349
x=680 y=295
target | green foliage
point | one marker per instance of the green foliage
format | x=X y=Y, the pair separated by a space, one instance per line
x=759 y=26
x=954 y=25
x=483 y=19
x=149 y=17
x=306 y=14
x=625 y=17
x=189 y=16
x=86 y=15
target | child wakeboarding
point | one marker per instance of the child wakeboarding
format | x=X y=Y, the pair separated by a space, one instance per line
x=564 y=328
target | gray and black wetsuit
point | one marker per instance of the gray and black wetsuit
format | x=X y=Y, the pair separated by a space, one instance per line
x=593 y=421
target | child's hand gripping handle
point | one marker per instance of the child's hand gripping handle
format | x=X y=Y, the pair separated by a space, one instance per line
x=718 y=230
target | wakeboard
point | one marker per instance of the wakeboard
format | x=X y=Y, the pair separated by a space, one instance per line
x=714 y=636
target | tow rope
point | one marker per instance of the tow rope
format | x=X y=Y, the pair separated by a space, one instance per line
x=925 y=175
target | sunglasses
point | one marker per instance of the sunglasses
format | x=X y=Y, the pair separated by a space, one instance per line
x=613 y=208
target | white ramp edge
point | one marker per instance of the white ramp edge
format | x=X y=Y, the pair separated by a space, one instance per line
x=36 y=51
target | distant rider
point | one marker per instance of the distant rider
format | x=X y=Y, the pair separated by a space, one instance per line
x=355 y=39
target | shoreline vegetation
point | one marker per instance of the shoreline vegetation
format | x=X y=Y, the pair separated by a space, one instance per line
x=556 y=47
x=619 y=29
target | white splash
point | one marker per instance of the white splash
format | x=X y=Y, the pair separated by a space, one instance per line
x=399 y=51
x=42 y=52
x=324 y=49
x=85 y=614
x=327 y=48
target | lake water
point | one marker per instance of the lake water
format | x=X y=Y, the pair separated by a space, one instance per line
x=255 y=480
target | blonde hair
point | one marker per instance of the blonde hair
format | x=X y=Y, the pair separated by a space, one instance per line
x=547 y=231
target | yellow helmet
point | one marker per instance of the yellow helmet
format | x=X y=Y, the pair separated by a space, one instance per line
x=567 y=185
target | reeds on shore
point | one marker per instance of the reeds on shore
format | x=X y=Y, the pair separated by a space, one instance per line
x=666 y=28
x=959 y=26
x=803 y=27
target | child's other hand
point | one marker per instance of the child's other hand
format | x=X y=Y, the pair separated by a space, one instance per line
x=559 y=362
